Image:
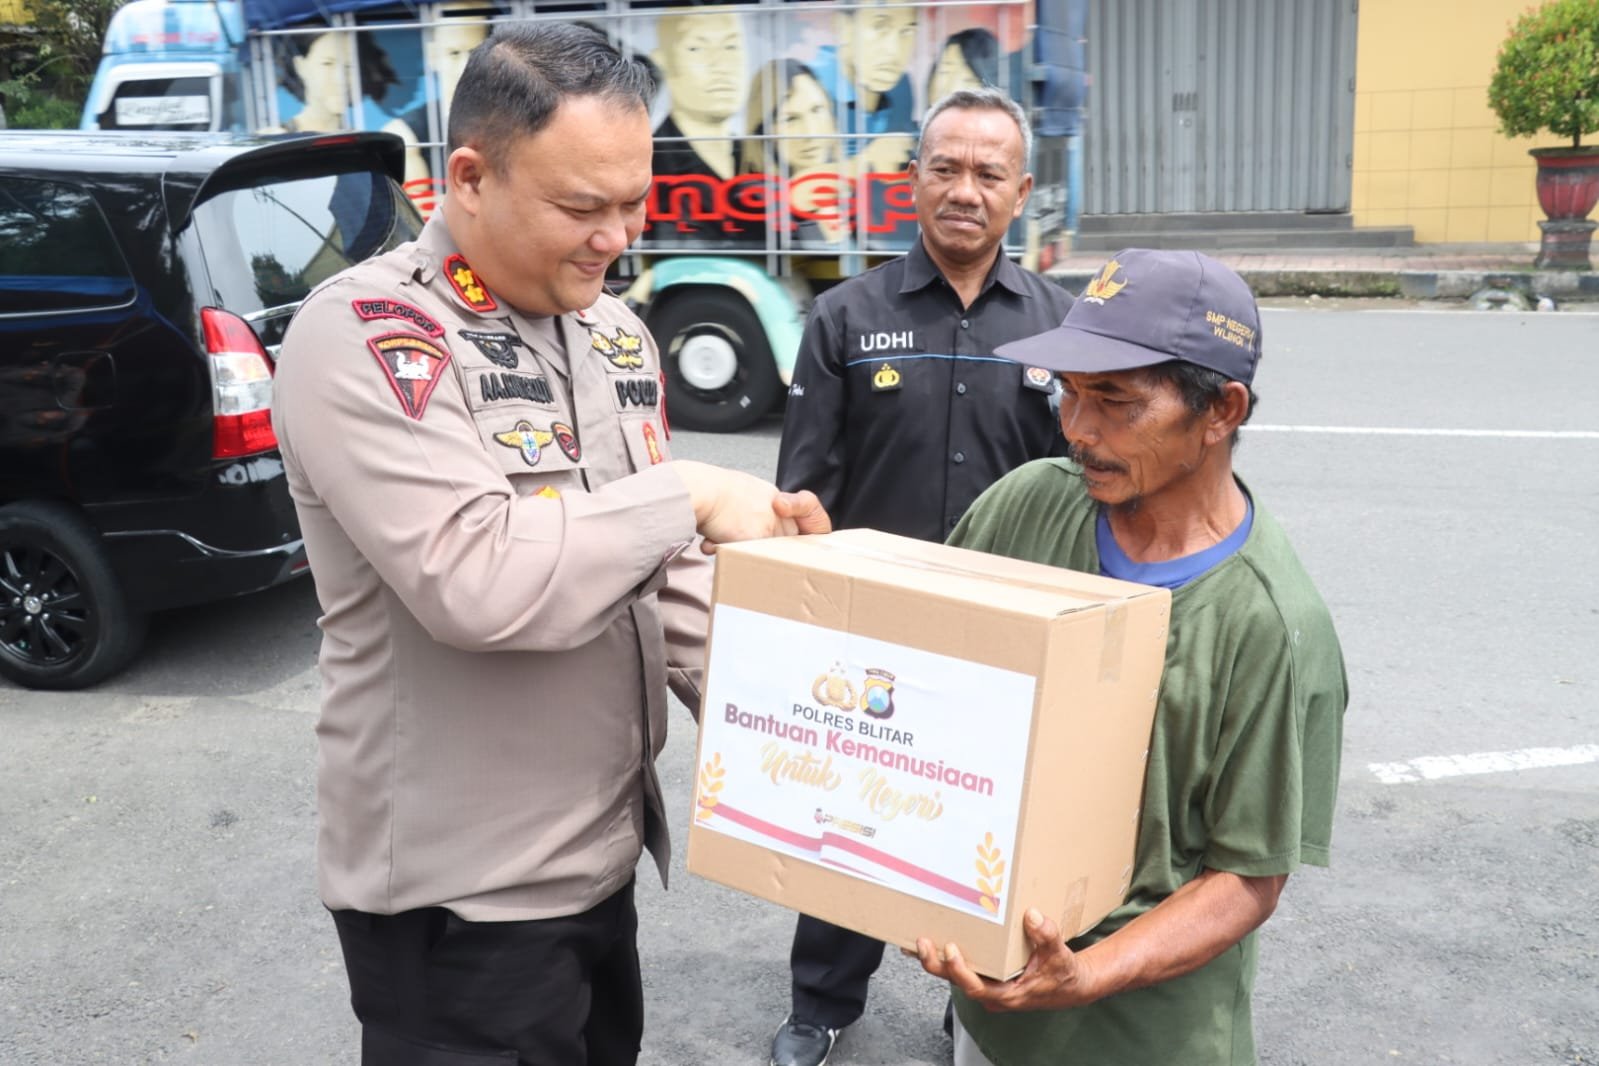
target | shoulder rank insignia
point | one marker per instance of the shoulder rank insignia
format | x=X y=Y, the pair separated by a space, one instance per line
x=1036 y=377
x=464 y=280
x=623 y=351
x=886 y=379
x=413 y=365
x=383 y=307
x=531 y=442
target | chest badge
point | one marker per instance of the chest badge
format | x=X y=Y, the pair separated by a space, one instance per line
x=499 y=348
x=1036 y=377
x=412 y=364
x=464 y=280
x=529 y=441
x=624 y=351
x=887 y=379
x=652 y=445
x=566 y=440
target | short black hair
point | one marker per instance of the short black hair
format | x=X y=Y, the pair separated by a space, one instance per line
x=514 y=81
x=1200 y=387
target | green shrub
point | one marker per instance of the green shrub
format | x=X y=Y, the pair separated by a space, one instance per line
x=1547 y=76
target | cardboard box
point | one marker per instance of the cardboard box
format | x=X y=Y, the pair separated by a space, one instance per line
x=909 y=739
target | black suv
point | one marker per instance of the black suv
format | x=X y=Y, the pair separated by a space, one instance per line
x=145 y=283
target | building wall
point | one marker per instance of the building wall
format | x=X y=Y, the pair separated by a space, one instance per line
x=1427 y=151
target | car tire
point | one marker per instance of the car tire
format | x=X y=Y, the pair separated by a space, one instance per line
x=707 y=335
x=65 y=622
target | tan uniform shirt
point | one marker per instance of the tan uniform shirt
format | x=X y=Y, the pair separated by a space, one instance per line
x=490 y=527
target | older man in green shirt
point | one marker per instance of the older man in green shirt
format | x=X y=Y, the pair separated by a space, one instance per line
x=1157 y=359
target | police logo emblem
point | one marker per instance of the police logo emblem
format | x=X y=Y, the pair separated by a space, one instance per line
x=412 y=364
x=1036 y=377
x=529 y=441
x=886 y=379
x=877 y=694
x=464 y=280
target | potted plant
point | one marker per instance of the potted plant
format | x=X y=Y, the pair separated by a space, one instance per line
x=1547 y=79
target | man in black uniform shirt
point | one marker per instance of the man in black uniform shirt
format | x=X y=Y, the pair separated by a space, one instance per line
x=900 y=415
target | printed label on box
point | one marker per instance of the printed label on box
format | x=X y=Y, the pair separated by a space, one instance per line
x=886 y=762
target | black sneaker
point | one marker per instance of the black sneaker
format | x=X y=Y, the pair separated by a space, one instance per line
x=802 y=1043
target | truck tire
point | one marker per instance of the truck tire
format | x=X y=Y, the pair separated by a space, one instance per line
x=720 y=377
x=65 y=622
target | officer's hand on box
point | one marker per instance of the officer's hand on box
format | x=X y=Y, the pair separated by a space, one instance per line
x=730 y=505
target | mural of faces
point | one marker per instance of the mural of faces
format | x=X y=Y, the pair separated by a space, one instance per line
x=968 y=60
x=324 y=84
x=702 y=60
x=449 y=44
x=788 y=105
x=875 y=43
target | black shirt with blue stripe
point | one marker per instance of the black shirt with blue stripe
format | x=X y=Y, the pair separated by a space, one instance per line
x=900 y=414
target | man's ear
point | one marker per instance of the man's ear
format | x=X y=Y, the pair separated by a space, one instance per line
x=464 y=172
x=1025 y=191
x=1228 y=412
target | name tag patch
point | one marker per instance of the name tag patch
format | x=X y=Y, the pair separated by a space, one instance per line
x=636 y=392
x=534 y=388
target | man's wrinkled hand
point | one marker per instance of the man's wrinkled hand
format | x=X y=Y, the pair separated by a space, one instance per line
x=1054 y=978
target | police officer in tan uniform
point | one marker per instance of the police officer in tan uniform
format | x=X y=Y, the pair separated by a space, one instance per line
x=504 y=554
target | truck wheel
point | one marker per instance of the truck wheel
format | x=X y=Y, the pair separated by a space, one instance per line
x=719 y=371
x=64 y=620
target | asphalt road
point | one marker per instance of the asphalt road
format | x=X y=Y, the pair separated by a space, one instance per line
x=157 y=899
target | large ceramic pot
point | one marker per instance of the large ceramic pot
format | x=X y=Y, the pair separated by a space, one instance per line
x=1568 y=189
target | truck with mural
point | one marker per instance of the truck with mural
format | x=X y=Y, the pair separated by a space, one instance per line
x=782 y=131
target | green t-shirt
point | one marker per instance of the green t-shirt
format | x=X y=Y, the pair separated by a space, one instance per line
x=1242 y=775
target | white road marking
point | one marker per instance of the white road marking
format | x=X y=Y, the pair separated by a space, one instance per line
x=1401 y=431
x=1433 y=767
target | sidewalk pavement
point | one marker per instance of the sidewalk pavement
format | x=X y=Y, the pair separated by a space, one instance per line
x=1499 y=272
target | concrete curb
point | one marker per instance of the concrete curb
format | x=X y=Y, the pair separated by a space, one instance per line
x=1565 y=286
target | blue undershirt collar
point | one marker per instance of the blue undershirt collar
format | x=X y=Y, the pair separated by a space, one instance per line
x=1168 y=573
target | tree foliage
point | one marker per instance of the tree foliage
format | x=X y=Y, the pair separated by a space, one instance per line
x=50 y=69
x=1547 y=76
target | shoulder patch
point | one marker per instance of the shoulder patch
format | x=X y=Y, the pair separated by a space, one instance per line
x=375 y=307
x=413 y=365
x=464 y=280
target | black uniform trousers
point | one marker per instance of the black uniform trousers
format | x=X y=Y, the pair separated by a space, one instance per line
x=831 y=967
x=432 y=989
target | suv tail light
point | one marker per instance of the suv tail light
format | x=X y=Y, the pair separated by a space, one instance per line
x=241 y=386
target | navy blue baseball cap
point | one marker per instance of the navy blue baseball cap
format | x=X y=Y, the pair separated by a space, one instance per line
x=1151 y=306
